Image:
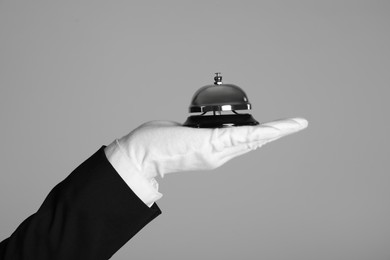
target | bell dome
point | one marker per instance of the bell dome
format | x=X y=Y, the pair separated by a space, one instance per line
x=219 y=97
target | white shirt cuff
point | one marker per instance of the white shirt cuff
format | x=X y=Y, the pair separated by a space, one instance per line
x=146 y=189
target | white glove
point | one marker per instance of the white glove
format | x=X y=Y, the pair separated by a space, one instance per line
x=160 y=147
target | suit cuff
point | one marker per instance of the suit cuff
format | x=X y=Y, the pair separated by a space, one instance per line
x=146 y=189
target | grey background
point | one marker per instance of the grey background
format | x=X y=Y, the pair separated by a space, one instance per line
x=74 y=75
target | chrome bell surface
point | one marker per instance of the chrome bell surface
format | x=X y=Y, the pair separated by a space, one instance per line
x=219 y=99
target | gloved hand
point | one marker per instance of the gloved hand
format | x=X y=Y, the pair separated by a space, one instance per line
x=161 y=147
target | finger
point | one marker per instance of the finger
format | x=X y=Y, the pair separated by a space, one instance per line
x=263 y=133
x=281 y=128
x=288 y=126
x=223 y=138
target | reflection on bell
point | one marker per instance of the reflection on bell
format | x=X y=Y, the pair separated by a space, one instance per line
x=222 y=101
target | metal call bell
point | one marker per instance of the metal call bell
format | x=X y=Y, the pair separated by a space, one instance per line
x=221 y=101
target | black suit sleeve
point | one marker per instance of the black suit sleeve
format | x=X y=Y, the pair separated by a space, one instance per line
x=89 y=215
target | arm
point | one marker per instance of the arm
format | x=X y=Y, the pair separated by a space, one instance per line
x=104 y=202
x=89 y=215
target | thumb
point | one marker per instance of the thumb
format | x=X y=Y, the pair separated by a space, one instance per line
x=161 y=123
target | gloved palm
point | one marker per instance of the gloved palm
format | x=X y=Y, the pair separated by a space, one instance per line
x=161 y=147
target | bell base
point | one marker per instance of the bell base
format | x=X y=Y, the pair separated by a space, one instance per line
x=218 y=121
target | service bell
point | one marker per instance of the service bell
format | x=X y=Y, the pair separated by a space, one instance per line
x=221 y=101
